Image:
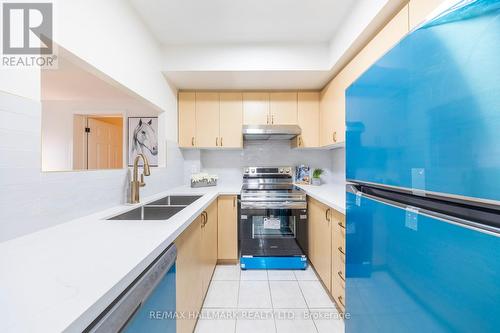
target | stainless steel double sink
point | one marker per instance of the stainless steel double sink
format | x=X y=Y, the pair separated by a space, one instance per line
x=161 y=209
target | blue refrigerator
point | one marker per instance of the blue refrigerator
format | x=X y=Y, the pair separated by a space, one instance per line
x=423 y=167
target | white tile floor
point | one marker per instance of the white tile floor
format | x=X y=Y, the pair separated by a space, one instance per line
x=267 y=301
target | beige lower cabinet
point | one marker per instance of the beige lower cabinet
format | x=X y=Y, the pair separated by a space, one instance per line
x=188 y=276
x=338 y=259
x=196 y=260
x=327 y=248
x=228 y=228
x=208 y=244
x=320 y=240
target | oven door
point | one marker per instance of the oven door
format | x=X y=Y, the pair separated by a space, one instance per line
x=273 y=232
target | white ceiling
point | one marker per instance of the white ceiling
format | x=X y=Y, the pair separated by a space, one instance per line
x=258 y=44
x=243 y=21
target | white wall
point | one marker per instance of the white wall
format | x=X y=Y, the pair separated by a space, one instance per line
x=108 y=36
x=111 y=37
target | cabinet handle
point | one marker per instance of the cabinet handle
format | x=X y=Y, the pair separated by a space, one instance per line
x=272 y=119
x=334 y=136
x=217 y=142
x=300 y=141
x=326 y=214
x=341 y=251
x=221 y=141
x=340 y=301
x=267 y=121
x=204 y=219
x=341 y=225
x=192 y=141
x=341 y=276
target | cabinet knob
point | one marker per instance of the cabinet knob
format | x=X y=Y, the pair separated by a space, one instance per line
x=192 y=141
x=334 y=136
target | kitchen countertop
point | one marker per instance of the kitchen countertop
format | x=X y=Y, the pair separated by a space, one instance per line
x=63 y=277
x=332 y=195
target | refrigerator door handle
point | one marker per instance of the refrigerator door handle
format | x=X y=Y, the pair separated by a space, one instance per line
x=485 y=220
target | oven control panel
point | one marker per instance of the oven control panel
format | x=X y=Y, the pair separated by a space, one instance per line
x=268 y=171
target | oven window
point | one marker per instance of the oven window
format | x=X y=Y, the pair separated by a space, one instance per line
x=273 y=226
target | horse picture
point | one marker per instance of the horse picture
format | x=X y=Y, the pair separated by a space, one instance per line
x=143 y=139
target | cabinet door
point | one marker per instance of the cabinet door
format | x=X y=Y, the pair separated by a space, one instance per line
x=332 y=104
x=187 y=119
x=209 y=245
x=308 y=119
x=188 y=275
x=231 y=120
x=328 y=106
x=283 y=108
x=419 y=9
x=391 y=34
x=321 y=241
x=228 y=228
x=255 y=108
x=338 y=259
x=207 y=119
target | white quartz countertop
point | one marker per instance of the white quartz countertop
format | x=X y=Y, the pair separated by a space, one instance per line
x=332 y=195
x=62 y=278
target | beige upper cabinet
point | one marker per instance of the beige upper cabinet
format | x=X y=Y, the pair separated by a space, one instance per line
x=330 y=112
x=419 y=9
x=231 y=119
x=391 y=34
x=187 y=119
x=333 y=99
x=255 y=108
x=283 y=108
x=308 y=119
x=207 y=119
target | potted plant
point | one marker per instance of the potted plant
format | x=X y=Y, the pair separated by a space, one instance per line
x=316 y=180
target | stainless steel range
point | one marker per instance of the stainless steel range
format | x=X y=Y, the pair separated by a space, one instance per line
x=273 y=220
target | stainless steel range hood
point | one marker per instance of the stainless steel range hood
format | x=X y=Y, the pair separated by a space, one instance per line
x=270 y=132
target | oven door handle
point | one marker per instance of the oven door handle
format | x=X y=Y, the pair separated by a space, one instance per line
x=273 y=205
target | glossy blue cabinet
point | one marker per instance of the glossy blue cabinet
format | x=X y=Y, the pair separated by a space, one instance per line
x=426 y=116
x=407 y=272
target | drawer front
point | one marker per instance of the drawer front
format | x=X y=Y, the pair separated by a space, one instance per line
x=338 y=292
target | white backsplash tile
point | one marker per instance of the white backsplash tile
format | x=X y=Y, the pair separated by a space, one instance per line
x=229 y=164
